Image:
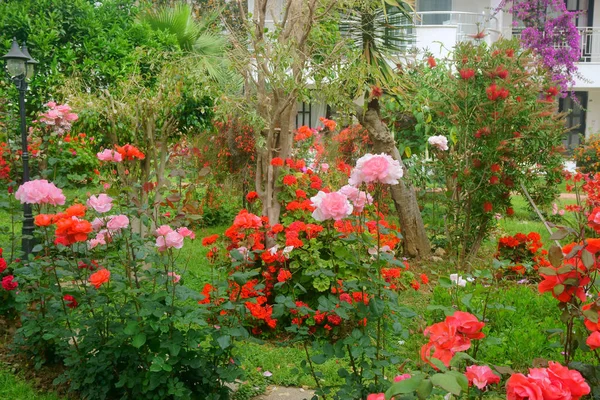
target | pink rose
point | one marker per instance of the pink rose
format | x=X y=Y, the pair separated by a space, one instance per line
x=324 y=167
x=71 y=117
x=40 y=191
x=117 y=222
x=109 y=155
x=440 y=142
x=50 y=104
x=176 y=278
x=358 y=198
x=163 y=230
x=330 y=206
x=402 y=377
x=97 y=224
x=571 y=379
x=185 y=232
x=100 y=239
x=376 y=396
x=376 y=168
x=481 y=376
x=174 y=239
x=101 y=203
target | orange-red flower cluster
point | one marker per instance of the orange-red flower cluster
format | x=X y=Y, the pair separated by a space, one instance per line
x=450 y=337
x=130 y=152
x=522 y=249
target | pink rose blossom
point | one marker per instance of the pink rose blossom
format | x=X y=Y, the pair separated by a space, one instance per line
x=324 y=167
x=330 y=206
x=376 y=168
x=100 y=239
x=481 y=376
x=440 y=142
x=117 y=222
x=109 y=155
x=402 y=377
x=50 y=104
x=101 y=203
x=185 y=232
x=171 y=240
x=40 y=191
x=358 y=198
x=176 y=278
x=163 y=230
x=376 y=396
x=97 y=224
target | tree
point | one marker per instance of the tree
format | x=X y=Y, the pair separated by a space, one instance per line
x=367 y=26
x=276 y=65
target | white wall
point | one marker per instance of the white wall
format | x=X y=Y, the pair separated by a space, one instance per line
x=592 y=123
x=438 y=39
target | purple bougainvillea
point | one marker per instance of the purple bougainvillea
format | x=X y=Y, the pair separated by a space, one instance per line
x=549 y=29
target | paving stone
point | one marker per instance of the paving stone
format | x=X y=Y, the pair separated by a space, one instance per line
x=286 y=393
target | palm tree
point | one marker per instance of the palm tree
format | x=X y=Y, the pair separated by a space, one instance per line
x=198 y=38
x=369 y=29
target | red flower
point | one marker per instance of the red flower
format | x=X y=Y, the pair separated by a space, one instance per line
x=99 y=277
x=43 y=220
x=8 y=283
x=130 y=152
x=487 y=207
x=277 y=228
x=208 y=288
x=467 y=73
x=424 y=279
x=289 y=180
x=510 y=211
x=70 y=300
x=415 y=284
x=304 y=132
x=376 y=92
x=431 y=62
x=501 y=73
x=481 y=376
x=301 y=194
x=251 y=196
x=247 y=220
x=494 y=180
x=494 y=92
x=284 y=275
x=593 y=341
x=207 y=241
x=277 y=162
x=552 y=91
x=520 y=387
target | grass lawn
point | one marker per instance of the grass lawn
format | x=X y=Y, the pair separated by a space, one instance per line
x=517 y=314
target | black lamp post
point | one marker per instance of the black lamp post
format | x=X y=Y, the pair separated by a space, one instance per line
x=21 y=67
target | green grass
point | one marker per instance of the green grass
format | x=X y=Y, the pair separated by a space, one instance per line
x=13 y=387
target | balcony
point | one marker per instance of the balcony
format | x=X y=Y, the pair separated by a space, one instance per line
x=589 y=43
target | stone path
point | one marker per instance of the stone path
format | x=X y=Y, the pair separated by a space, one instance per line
x=286 y=393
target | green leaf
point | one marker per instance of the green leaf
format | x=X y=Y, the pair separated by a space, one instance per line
x=138 y=340
x=224 y=341
x=424 y=390
x=447 y=382
x=403 y=387
x=318 y=359
x=587 y=258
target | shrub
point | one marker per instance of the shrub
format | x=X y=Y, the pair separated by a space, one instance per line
x=587 y=155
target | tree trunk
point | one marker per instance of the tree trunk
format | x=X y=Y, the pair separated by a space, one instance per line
x=415 y=243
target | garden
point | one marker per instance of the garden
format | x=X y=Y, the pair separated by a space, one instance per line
x=173 y=227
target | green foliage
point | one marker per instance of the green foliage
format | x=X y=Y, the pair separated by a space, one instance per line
x=587 y=155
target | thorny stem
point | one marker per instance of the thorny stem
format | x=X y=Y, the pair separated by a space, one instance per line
x=312 y=369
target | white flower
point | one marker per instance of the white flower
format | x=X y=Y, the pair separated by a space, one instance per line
x=440 y=141
x=458 y=280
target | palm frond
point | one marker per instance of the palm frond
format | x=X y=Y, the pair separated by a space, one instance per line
x=176 y=20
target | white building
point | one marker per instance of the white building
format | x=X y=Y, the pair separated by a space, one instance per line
x=440 y=24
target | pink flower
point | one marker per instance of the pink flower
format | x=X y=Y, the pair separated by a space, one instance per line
x=171 y=240
x=440 y=142
x=376 y=396
x=402 y=377
x=101 y=203
x=109 y=155
x=117 y=222
x=50 y=104
x=358 y=198
x=481 y=376
x=324 y=167
x=176 y=277
x=8 y=283
x=376 y=168
x=185 y=232
x=97 y=224
x=163 y=230
x=100 y=239
x=174 y=239
x=40 y=191
x=330 y=206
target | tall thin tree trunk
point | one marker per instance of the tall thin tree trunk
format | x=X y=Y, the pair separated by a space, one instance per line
x=415 y=241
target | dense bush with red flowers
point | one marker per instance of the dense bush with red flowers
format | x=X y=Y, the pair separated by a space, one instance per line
x=493 y=127
x=522 y=254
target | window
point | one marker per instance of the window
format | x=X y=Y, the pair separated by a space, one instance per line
x=434 y=5
x=575 y=120
x=303 y=117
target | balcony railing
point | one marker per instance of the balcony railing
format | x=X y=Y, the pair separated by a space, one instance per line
x=468 y=24
x=589 y=43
